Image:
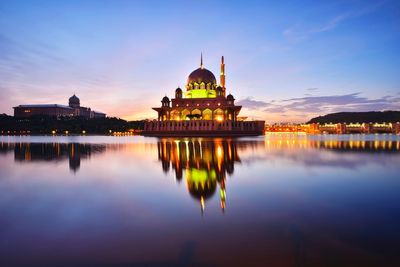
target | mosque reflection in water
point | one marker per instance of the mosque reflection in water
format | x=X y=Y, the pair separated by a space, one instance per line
x=204 y=163
x=37 y=152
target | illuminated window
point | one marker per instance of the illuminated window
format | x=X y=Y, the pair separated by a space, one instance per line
x=184 y=114
x=219 y=115
x=207 y=114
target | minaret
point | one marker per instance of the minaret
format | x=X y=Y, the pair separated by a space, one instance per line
x=222 y=75
x=201 y=61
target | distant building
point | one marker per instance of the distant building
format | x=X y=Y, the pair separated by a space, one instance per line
x=73 y=109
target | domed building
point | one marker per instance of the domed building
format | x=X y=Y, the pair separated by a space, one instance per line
x=74 y=109
x=74 y=102
x=202 y=109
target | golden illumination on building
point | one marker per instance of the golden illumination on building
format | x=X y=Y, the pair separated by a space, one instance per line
x=295 y=141
x=336 y=128
x=203 y=97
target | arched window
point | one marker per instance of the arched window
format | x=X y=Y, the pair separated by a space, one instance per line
x=207 y=114
x=196 y=114
x=219 y=115
x=175 y=115
x=184 y=114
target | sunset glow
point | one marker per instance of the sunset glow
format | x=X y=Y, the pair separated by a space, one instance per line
x=283 y=62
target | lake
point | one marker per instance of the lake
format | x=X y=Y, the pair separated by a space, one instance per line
x=274 y=200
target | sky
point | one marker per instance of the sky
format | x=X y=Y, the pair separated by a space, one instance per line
x=286 y=61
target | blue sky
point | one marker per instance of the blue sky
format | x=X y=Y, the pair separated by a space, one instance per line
x=286 y=61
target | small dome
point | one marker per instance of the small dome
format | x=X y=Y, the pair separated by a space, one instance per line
x=220 y=91
x=74 y=98
x=165 y=99
x=202 y=75
x=178 y=93
x=74 y=101
x=230 y=97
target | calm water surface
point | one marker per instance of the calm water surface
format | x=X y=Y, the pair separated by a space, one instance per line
x=275 y=200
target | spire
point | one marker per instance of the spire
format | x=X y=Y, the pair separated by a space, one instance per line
x=201 y=60
x=222 y=74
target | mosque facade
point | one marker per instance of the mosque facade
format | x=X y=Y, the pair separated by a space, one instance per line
x=202 y=109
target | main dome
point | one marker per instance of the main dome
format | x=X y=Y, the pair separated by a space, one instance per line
x=202 y=75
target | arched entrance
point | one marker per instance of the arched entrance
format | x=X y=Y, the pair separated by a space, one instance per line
x=175 y=115
x=219 y=115
x=207 y=114
x=196 y=114
x=184 y=114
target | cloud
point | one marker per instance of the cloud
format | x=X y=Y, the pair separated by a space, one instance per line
x=336 y=102
x=299 y=32
x=295 y=33
x=304 y=108
x=249 y=103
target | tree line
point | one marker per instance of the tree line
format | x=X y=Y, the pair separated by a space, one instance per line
x=361 y=117
x=60 y=125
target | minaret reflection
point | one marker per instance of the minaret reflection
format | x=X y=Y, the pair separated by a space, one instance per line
x=34 y=152
x=74 y=155
x=205 y=164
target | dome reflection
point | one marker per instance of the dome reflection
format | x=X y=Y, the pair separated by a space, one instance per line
x=204 y=163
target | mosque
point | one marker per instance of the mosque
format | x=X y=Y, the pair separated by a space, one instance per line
x=203 y=109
